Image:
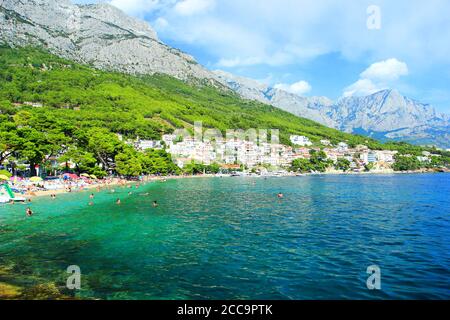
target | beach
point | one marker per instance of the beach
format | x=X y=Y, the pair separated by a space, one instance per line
x=112 y=182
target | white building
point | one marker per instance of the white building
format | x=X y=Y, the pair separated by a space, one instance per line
x=147 y=144
x=169 y=139
x=300 y=140
x=386 y=156
x=423 y=159
x=342 y=147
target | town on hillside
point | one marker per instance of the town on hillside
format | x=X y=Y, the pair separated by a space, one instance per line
x=251 y=155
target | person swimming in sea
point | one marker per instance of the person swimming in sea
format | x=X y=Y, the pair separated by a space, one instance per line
x=130 y=193
x=155 y=204
x=91 y=203
x=29 y=212
x=91 y=196
x=280 y=195
x=118 y=201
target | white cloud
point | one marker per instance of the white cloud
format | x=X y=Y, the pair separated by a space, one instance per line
x=298 y=88
x=298 y=30
x=238 y=62
x=135 y=7
x=190 y=7
x=160 y=24
x=304 y=29
x=387 y=70
x=378 y=76
x=281 y=57
x=362 y=87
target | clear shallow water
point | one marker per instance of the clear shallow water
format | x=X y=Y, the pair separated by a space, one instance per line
x=231 y=238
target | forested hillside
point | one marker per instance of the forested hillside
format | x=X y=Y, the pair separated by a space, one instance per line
x=49 y=106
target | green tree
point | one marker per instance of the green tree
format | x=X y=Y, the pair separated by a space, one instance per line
x=128 y=163
x=104 y=145
x=84 y=161
x=319 y=161
x=301 y=165
x=10 y=140
x=406 y=162
x=193 y=168
x=158 y=161
x=213 y=168
x=342 y=164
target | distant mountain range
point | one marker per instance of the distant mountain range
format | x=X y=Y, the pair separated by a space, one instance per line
x=383 y=115
x=104 y=37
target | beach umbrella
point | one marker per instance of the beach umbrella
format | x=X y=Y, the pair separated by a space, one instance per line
x=35 y=179
x=84 y=175
x=93 y=176
x=15 y=179
x=3 y=177
x=70 y=176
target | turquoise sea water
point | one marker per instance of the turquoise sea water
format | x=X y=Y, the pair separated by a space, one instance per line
x=232 y=238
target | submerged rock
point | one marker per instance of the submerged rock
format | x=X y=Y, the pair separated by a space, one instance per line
x=8 y=291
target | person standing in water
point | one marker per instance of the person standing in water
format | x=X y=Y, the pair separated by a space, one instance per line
x=118 y=201
x=29 y=212
x=155 y=204
x=280 y=195
x=91 y=196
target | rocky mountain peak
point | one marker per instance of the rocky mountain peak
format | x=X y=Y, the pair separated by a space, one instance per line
x=97 y=34
x=108 y=14
x=386 y=114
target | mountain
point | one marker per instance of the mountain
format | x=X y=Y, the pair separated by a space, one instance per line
x=100 y=35
x=383 y=115
x=309 y=108
x=388 y=114
x=104 y=37
x=41 y=90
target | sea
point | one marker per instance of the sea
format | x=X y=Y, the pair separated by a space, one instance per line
x=328 y=237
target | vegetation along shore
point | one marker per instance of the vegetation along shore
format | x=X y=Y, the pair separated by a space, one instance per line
x=58 y=116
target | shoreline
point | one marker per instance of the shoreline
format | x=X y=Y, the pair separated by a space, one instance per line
x=121 y=182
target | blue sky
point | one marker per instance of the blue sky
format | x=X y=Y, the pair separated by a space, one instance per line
x=314 y=47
